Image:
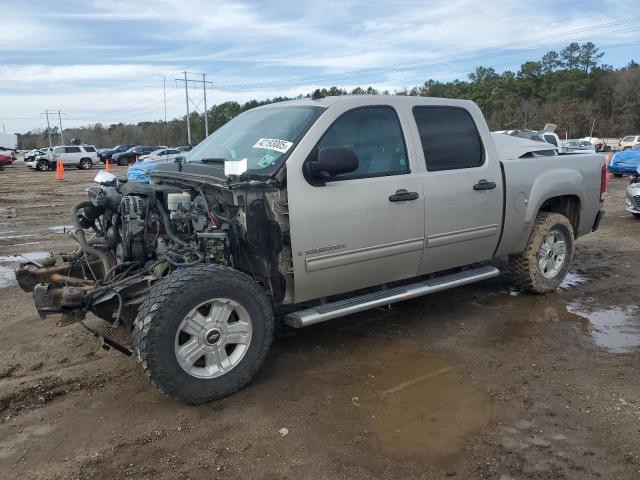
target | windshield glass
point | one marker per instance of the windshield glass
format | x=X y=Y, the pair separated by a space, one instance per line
x=260 y=137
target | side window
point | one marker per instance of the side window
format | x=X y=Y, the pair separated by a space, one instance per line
x=72 y=149
x=450 y=139
x=89 y=149
x=375 y=135
x=551 y=139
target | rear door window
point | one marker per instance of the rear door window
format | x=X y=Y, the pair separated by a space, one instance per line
x=449 y=137
x=72 y=150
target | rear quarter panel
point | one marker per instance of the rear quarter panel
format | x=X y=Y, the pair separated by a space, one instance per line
x=529 y=182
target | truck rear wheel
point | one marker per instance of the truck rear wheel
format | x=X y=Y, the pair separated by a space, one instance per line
x=544 y=263
x=203 y=333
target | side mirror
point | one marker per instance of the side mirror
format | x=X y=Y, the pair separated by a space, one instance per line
x=331 y=161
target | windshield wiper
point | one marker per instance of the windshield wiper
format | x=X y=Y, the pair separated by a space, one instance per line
x=213 y=160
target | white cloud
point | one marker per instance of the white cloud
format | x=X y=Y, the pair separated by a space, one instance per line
x=100 y=59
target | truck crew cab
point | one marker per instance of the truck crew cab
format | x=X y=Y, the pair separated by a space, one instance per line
x=306 y=211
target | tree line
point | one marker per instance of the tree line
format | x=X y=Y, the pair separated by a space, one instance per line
x=570 y=88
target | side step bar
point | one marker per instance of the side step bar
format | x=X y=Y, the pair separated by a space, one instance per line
x=328 y=311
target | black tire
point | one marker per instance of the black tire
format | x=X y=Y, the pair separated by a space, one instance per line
x=525 y=267
x=637 y=215
x=618 y=175
x=159 y=318
x=42 y=166
x=85 y=164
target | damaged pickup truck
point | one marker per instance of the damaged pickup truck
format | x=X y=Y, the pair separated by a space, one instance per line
x=306 y=211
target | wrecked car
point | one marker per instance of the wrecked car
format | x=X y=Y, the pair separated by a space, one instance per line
x=306 y=211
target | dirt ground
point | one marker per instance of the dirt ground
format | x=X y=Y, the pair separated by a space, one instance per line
x=478 y=382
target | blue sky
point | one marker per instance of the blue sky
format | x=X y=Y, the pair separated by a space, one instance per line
x=104 y=60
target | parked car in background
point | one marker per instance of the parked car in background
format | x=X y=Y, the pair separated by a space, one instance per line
x=105 y=154
x=133 y=154
x=625 y=162
x=632 y=200
x=628 y=142
x=598 y=143
x=30 y=155
x=80 y=156
x=536 y=135
x=140 y=171
x=163 y=152
x=5 y=159
x=578 y=146
x=8 y=152
x=43 y=160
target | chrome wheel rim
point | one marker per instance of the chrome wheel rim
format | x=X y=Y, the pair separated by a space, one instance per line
x=552 y=254
x=213 y=338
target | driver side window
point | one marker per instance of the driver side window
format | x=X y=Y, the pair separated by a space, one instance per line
x=375 y=136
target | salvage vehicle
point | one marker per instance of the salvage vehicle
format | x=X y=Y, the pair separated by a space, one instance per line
x=632 y=195
x=628 y=142
x=141 y=171
x=105 y=154
x=133 y=154
x=625 y=162
x=305 y=211
x=80 y=156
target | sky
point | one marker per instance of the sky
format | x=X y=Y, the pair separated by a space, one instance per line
x=108 y=61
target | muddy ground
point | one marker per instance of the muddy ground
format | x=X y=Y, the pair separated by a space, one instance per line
x=477 y=382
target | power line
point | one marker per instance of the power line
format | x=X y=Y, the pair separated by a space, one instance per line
x=204 y=83
x=423 y=63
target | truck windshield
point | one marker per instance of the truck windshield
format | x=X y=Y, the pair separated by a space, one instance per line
x=259 y=137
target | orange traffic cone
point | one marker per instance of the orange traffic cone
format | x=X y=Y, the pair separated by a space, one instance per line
x=59 y=170
x=107 y=167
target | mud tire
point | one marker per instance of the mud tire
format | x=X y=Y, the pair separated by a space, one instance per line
x=159 y=317
x=524 y=267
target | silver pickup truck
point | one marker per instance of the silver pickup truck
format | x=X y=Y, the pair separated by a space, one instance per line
x=306 y=211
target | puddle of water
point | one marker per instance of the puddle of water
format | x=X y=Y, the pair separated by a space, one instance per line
x=571 y=280
x=18 y=236
x=415 y=404
x=425 y=408
x=8 y=264
x=617 y=329
x=61 y=228
x=12 y=444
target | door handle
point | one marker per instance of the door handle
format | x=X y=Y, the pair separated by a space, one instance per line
x=403 y=195
x=484 y=185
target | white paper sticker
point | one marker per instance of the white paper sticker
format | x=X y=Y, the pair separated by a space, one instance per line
x=273 y=144
x=236 y=167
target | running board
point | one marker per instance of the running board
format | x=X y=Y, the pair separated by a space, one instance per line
x=328 y=311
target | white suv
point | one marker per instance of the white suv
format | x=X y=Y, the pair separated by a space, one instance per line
x=81 y=156
x=628 y=142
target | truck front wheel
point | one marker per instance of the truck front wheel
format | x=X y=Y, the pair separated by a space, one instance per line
x=544 y=263
x=203 y=333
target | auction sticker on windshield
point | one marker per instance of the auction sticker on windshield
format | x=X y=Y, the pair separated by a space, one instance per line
x=273 y=144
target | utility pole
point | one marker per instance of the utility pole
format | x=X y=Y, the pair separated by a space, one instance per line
x=46 y=112
x=206 y=120
x=164 y=92
x=204 y=82
x=60 y=122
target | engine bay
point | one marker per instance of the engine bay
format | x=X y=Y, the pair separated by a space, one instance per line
x=132 y=234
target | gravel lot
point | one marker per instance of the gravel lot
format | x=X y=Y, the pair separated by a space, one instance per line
x=477 y=382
